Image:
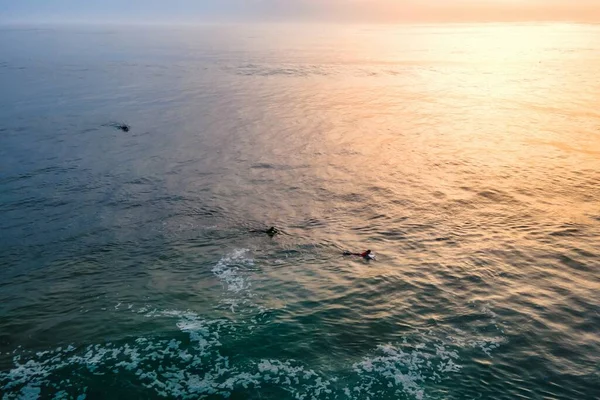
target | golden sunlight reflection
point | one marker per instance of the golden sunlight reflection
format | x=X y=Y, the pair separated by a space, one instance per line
x=444 y=123
x=469 y=117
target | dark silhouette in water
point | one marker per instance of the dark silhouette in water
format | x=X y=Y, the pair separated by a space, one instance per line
x=119 y=126
x=272 y=231
x=367 y=255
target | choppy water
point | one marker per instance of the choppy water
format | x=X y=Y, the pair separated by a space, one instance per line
x=466 y=157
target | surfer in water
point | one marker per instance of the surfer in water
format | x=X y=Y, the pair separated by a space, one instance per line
x=367 y=255
x=119 y=125
x=272 y=231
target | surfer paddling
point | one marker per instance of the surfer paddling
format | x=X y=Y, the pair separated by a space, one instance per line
x=367 y=255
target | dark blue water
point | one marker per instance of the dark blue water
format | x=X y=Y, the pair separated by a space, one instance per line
x=467 y=160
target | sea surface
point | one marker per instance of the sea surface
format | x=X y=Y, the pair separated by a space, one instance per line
x=466 y=157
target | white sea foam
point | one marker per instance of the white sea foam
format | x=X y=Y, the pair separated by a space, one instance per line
x=404 y=369
x=484 y=343
x=61 y=395
x=235 y=271
x=229 y=270
x=190 y=370
x=25 y=379
x=195 y=368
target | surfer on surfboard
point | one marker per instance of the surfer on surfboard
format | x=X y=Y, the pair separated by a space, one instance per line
x=367 y=255
x=272 y=231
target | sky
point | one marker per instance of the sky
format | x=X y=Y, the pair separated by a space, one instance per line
x=361 y=11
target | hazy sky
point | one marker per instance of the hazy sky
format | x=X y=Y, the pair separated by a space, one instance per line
x=301 y=10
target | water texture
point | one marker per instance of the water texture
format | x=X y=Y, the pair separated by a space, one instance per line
x=467 y=157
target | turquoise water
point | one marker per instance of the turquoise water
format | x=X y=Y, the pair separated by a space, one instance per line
x=467 y=157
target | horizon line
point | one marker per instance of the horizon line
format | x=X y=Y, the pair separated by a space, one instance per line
x=97 y=22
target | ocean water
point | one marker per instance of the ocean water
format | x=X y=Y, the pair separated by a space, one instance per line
x=467 y=157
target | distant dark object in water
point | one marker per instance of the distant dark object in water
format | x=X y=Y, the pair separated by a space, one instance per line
x=272 y=231
x=119 y=126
